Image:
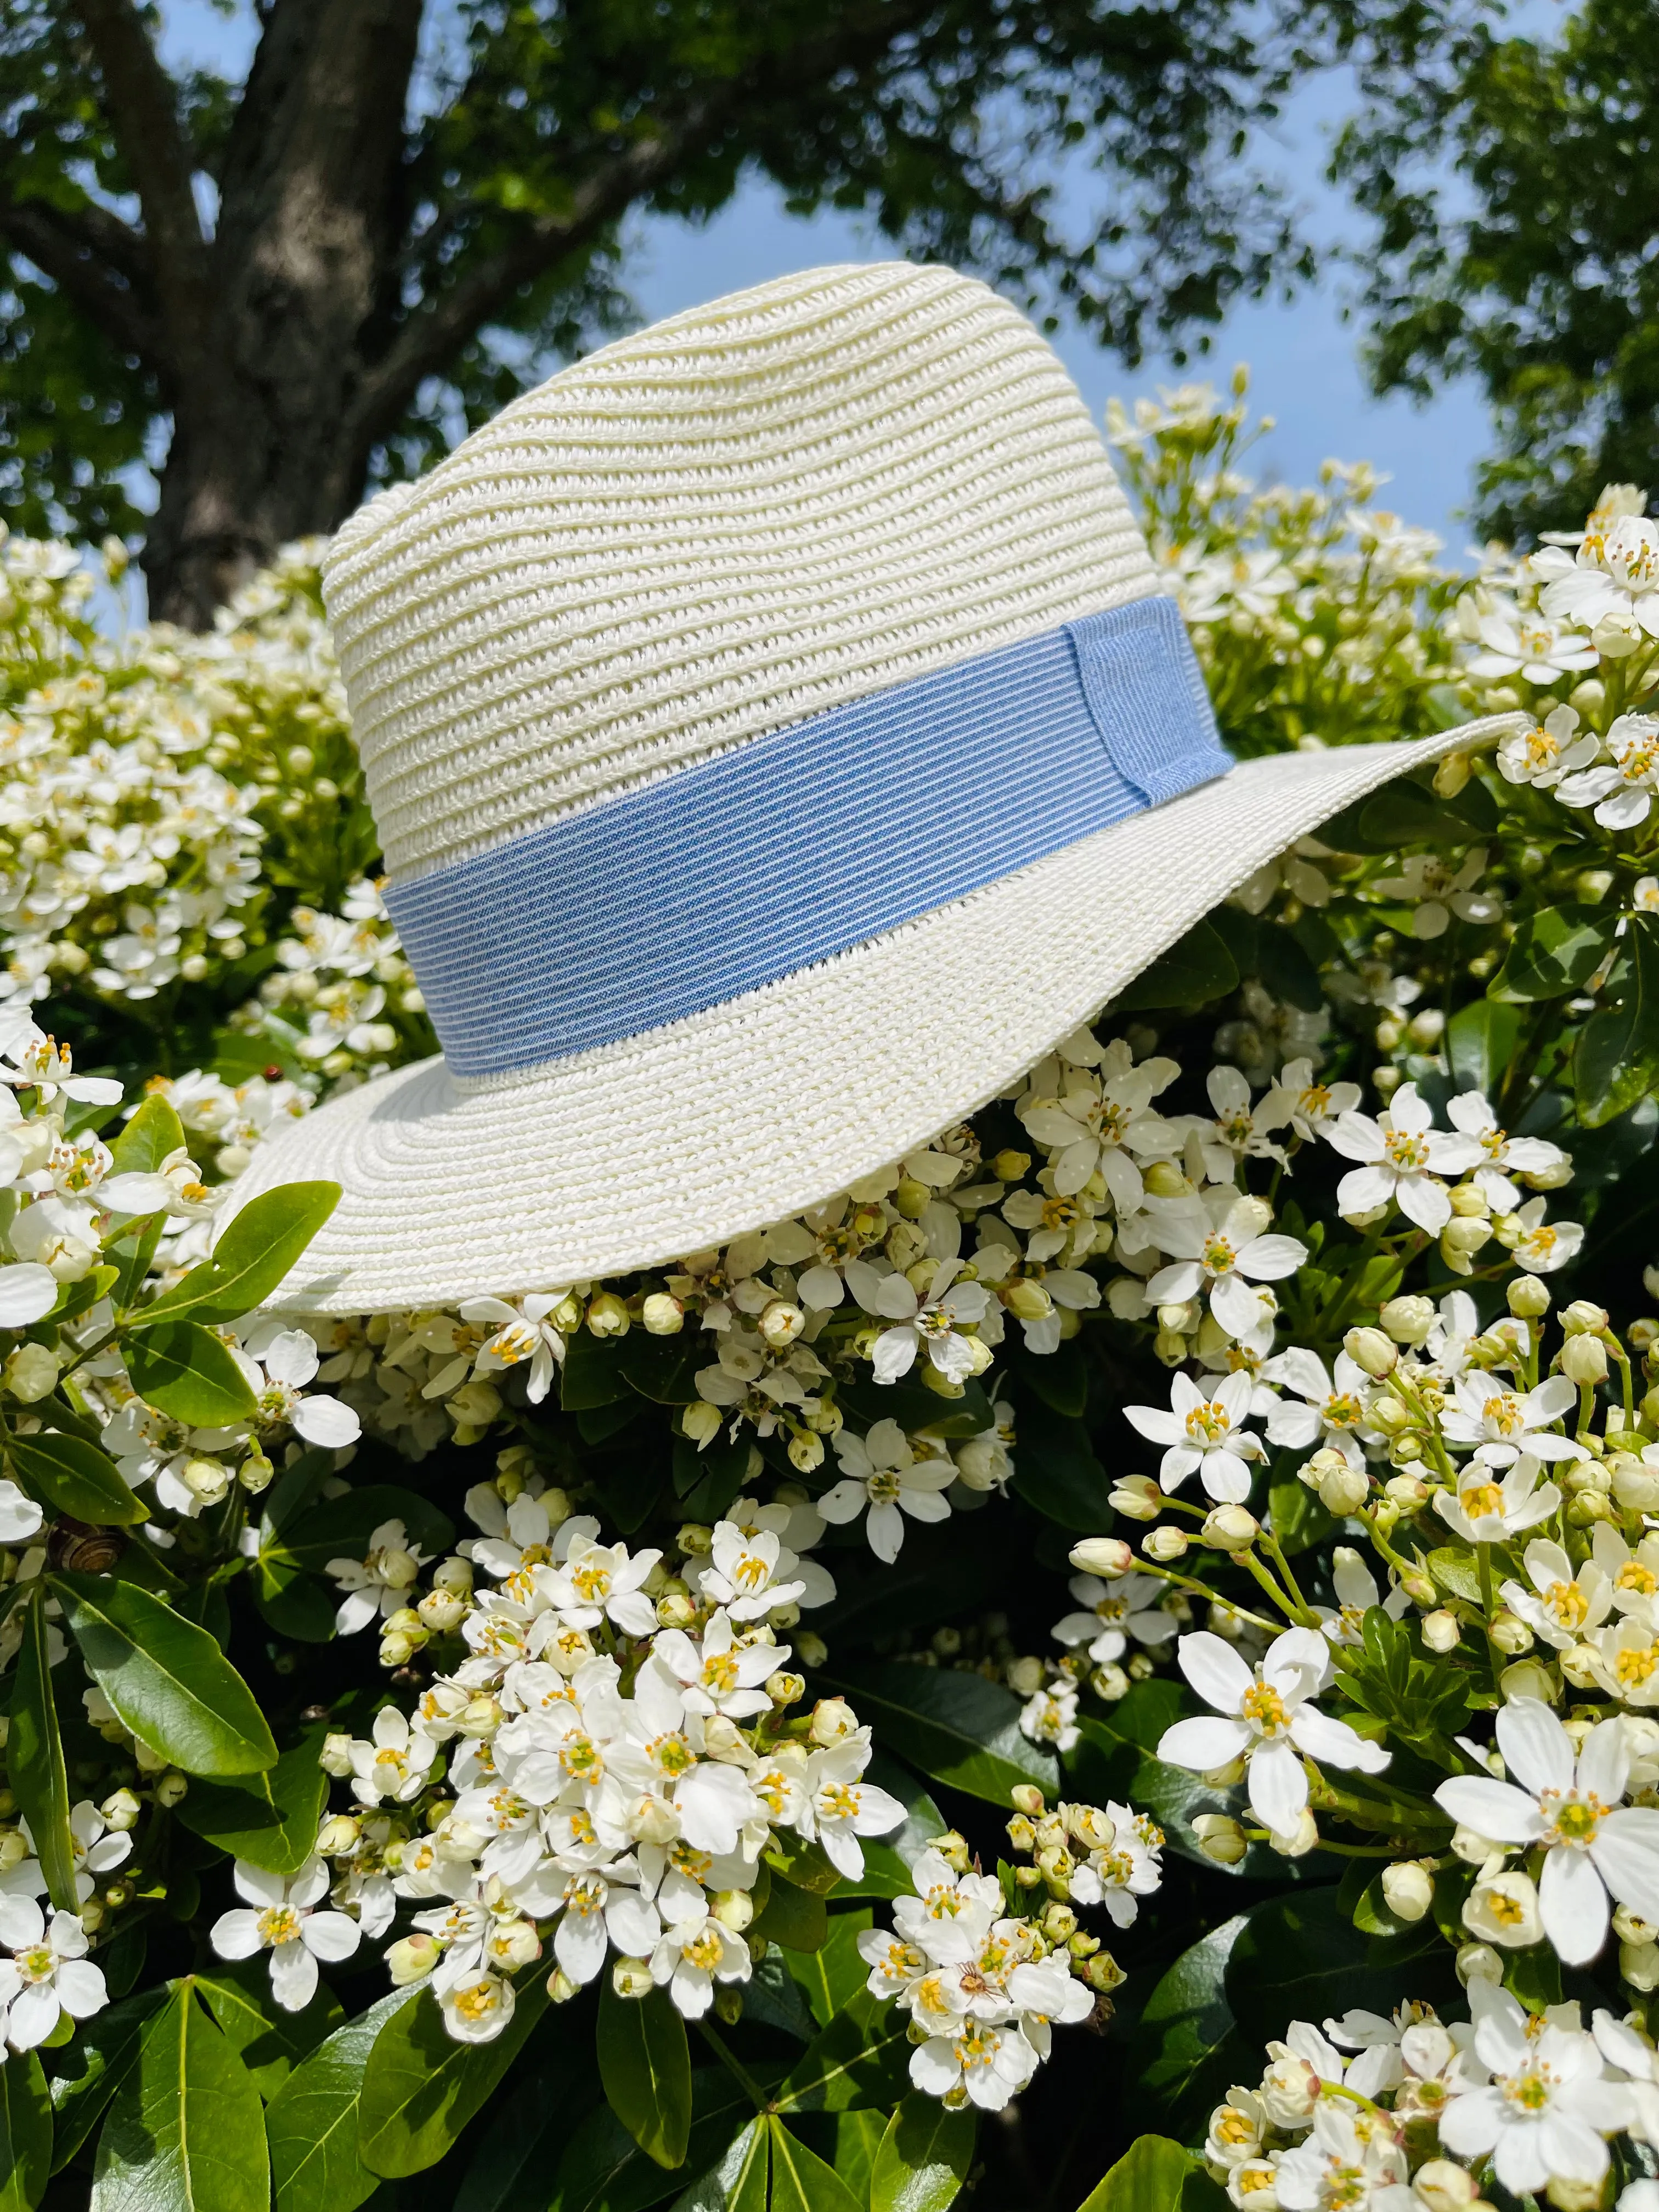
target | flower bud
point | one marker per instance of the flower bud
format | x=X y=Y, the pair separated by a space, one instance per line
x=1028 y=1301
x=785 y=1689
x=1370 y=1349
x=171 y=1788
x=607 y=1315
x=1407 y=1491
x=1528 y=1297
x=207 y=1479
x=1137 y=1497
x=475 y=1404
x=1220 y=1837
x=1573 y=2196
x=456 y=1574
x=1166 y=1546
x=1479 y=1962
x=1449 y=777
x=1638 y=1964
x=1584 y=1361
x=335 y=1757
x=339 y=1835
x=1102 y=1972
x=781 y=1323
x=1163 y=1179
x=1026 y=1676
x=1635 y=1483
x=1408 y=1321
x=1344 y=1490
x=833 y=1721
x=513 y=1944
x=1008 y=1165
x=1459 y=1240
x=1229 y=1529
x=256 y=1473
x=1025 y=1797
x=1441 y=1631
x=631 y=1978
x=701 y=1423
x=560 y=1987
x=1109 y=1682
x=1529 y=1678
x=1299 y=1841
x=1325 y=1461
x=120 y=1811
x=1510 y=1632
x=1443 y=2186
x=733 y=1909
x=1407 y=1889
x=662 y=1315
x=31 y=1372
x=1109 y=1556
x=1502 y=1909
x=1584 y=1318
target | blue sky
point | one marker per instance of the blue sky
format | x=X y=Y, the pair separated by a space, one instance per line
x=1302 y=355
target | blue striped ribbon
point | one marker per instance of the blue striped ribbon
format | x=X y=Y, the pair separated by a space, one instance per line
x=684 y=893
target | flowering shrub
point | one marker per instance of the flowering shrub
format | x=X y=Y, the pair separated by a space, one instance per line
x=1152 y=1593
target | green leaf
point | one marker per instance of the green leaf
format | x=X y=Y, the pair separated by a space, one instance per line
x=801 y=2182
x=858 y=2060
x=1617 y=1060
x=270 y=2041
x=1553 y=953
x=1148 y=2178
x=25 y=2133
x=592 y=1375
x=1409 y=813
x=924 y=2157
x=1480 y=1042
x=835 y=1971
x=271 y=1819
x=185 y=2128
x=421 y=2087
x=184 y=1369
x=1196 y=969
x=154 y=1134
x=1187 y=2040
x=1057 y=1469
x=167 y=1680
x=312 y=2120
x=88 y=2071
x=251 y=1254
x=957 y=1727
x=341 y=1528
x=792 y=1917
x=602 y=2169
x=1456 y=1572
x=739 y=2181
x=645 y=2066
x=1300 y=1957
x=34 y=1757
x=67 y=1476
x=525 y=2141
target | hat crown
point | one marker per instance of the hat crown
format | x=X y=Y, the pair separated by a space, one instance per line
x=748 y=515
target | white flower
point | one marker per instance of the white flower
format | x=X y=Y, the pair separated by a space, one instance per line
x=839 y=1807
x=1621 y=790
x=1615 y=577
x=396 y=1763
x=1356 y=1593
x=1268 y=1721
x=19 y=1516
x=1562 y=1607
x=990 y=2064
x=1204 y=1435
x=29 y=1292
x=1502 y=1155
x=1437 y=893
x=1544 y=1246
x=882 y=1471
x=1542 y=2117
x=1517 y=644
x=1094 y=1126
x=1131 y=1607
x=1239 y=1131
x=477 y=2011
x=522 y=1332
x=1049 y=1716
x=1332 y=1412
x=284 y=1920
x=1311 y=1108
x=600 y=1580
x=37 y=1059
x=752 y=1571
x=719 y=1674
x=379 y=1583
x=1542 y=755
x=1218 y=1246
x=1571 y=1810
x=1343 y=2166
x=1403 y=1156
x=691 y=1955
x=1502 y=1423
x=290 y=1360
x=1120 y=1873
x=1488 y=1512
x=929 y=1323
x=47 y=1975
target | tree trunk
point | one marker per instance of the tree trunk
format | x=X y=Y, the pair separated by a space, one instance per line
x=266 y=445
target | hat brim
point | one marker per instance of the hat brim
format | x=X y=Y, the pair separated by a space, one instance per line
x=689 y=1135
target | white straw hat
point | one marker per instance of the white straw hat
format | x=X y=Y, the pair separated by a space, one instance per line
x=778 y=739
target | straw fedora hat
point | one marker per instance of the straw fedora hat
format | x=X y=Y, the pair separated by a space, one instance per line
x=778 y=739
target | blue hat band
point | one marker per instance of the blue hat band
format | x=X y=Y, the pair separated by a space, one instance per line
x=685 y=892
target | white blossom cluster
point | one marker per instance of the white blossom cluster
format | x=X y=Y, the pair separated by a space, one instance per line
x=617 y=1756
x=1400 y=2113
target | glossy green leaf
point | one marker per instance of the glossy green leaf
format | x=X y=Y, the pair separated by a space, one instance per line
x=1300 y=1957
x=1480 y=1042
x=67 y=1475
x=1196 y=969
x=1552 y=952
x=271 y=1819
x=1148 y=2178
x=421 y=2087
x=645 y=2066
x=1617 y=1060
x=25 y=2132
x=793 y=1918
x=924 y=2157
x=801 y=2182
x=184 y=1369
x=341 y=1528
x=600 y=2167
x=312 y=2122
x=166 y=1679
x=529 y=2131
x=859 y=2059
x=738 y=2181
x=253 y=1254
x=1187 y=2042
x=957 y=1727
x=270 y=2041
x=154 y=1134
x=34 y=1757
x=87 y=2073
x=1057 y=1469
x=835 y=1969
x=185 y=2128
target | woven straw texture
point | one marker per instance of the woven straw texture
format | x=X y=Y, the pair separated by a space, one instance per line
x=751 y=512
x=689 y=1135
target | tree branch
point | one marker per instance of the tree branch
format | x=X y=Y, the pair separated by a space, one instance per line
x=144 y=116
x=96 y=261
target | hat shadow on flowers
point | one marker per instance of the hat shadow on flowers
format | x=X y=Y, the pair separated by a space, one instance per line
x=778 y=739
